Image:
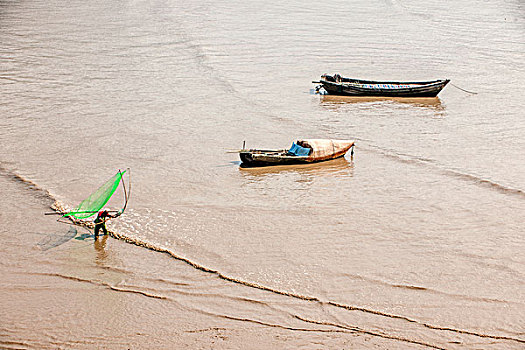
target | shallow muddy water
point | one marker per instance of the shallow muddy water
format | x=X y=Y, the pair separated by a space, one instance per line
x=415 y=240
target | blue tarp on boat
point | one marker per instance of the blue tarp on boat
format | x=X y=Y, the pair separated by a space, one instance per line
x=297 y=150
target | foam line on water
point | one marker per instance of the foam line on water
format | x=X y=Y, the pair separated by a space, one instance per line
x=420 y=161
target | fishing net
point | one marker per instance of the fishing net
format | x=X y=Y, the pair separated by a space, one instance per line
x=91 y=205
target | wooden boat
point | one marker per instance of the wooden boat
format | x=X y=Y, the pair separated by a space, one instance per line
x=302 y=151
x=337 y=85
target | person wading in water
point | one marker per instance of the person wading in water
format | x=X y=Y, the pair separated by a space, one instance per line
x=100 y=221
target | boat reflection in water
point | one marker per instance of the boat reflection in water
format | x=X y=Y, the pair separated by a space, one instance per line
x=423 y=102
x=339 y=167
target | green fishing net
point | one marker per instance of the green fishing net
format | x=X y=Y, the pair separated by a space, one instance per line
x=91 y=205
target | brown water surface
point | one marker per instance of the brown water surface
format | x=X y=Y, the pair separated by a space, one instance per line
x=417 y=240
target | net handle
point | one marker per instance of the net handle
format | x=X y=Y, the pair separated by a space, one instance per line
x=127 y=193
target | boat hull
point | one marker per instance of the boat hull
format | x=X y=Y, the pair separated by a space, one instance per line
x=355 y=87
x=259 y=158
x=250 y=159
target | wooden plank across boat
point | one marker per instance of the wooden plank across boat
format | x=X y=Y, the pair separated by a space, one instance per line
x=338 y=85
x=301 y=152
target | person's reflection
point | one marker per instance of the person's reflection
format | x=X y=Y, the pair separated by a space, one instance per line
x=100 y=247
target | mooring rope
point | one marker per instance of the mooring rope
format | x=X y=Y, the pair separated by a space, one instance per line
x=470 y=92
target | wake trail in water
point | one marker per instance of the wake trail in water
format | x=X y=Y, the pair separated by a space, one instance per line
x=428 y=290
x=424 y=162
x=58 y=206
x=202 y=60
x=104 y=284
x=363 y=331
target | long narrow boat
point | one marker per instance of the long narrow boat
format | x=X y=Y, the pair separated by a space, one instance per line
x=338 y=85
x=302 y=151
